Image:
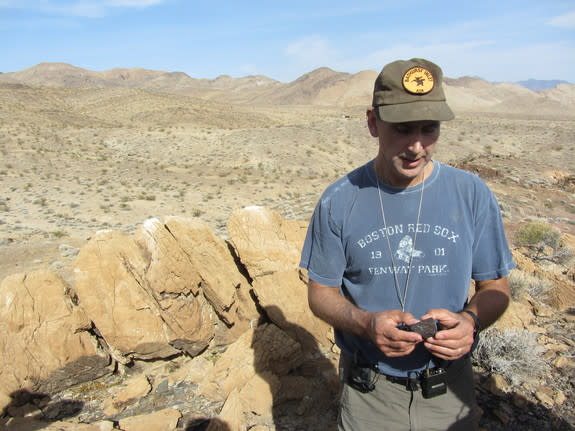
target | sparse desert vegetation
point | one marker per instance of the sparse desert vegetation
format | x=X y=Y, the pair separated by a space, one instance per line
x=72 y=165
x=78 y=160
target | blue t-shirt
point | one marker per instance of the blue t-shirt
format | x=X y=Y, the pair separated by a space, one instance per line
x=459 y=237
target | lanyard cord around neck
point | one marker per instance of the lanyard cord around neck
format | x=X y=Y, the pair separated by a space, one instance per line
x=402 y=299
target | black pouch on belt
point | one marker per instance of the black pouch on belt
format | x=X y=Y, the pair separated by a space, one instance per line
x=360 y=378
x=433 y=382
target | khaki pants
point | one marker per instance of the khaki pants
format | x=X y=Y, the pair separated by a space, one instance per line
x=392 y=407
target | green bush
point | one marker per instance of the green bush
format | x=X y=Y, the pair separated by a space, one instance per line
x=59 y=233
x=544 y=243
x=537 y=235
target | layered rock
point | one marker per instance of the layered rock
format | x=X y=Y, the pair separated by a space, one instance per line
x=135 y=316
x=163 y=293
x=265 y=242
x=270 y=248
x=221 y=281
x=44 y=338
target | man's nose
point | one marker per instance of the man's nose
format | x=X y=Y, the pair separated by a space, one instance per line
x=416 y=142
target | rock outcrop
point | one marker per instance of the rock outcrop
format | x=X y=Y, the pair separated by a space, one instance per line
x=169 y=291
x=45 y=339
x=165 y=329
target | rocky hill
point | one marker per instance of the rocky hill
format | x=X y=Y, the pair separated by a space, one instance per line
x=320 y=87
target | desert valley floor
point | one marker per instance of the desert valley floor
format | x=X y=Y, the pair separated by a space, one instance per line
x=63 y=180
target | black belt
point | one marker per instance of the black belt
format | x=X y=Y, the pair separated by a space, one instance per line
x=410 y=383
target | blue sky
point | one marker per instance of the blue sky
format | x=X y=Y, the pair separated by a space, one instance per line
x=503 y=40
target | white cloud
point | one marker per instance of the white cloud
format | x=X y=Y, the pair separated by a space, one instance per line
x=133 y=3
x=482 y=58
x=567 y=20
x=311 y=52
x=435 y=52
x=82 y=8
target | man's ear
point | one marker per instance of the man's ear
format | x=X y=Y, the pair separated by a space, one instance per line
x=372 y=121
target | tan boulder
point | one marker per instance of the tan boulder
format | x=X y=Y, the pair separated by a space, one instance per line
x=284 y=298
x=222 y=283
x=497 y=384
x=231 y=417
x=137 y=387
x=546 y=395
x=192 y=370
x=562 y=294
x=264 y=241
x=136 y=317
x=266 y=348
x=27 y=424
x=259 y=393
x=5 y=398
x=518 y=315
x=563 y=362
x=169 y=270
x=44 y=343
x=162 y=420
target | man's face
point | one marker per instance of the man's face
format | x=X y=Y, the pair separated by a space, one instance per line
x=405 y=149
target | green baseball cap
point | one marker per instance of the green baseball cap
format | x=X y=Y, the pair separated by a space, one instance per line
x=411 y=90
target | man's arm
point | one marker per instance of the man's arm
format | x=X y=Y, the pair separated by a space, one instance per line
x=489 y=302
x=329 y=305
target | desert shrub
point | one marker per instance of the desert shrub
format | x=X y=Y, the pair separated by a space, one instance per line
x=59 y=233
x=520 y=282
x=537 y=235
x=513 y=353
x=564 y=256
x=146 y=197
x=543 y=242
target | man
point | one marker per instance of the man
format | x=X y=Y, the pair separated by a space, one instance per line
x=396 y=242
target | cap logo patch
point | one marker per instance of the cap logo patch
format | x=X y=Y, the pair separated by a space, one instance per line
x=418 y=80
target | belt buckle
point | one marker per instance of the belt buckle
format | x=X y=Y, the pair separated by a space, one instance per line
x=412 y=381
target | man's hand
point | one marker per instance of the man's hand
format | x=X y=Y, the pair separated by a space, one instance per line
x=390 y=340
x=380 y=327
x=455 y=338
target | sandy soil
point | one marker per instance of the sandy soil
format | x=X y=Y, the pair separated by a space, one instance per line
x=64 y=177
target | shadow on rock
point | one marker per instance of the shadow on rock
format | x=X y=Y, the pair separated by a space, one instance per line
x=301 y=392
x=512 y=411
x=29 y=411
x=207 y=424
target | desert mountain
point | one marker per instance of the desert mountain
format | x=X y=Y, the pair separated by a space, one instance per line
x=321 y=87
x=538 y=84
x=60 y=75
x=66 y=75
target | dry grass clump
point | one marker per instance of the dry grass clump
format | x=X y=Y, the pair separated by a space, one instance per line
x=521 y=282
x=513 y=353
